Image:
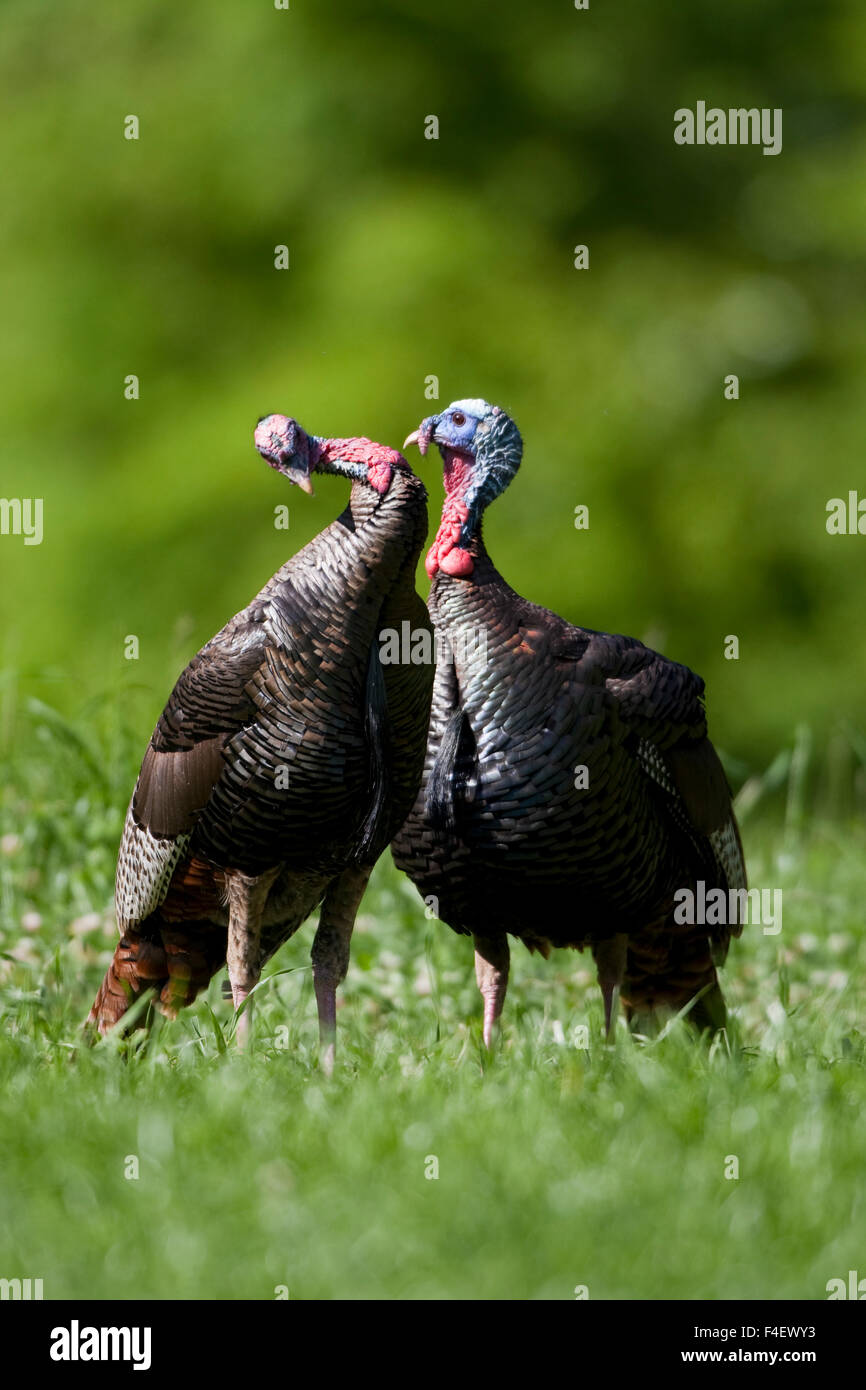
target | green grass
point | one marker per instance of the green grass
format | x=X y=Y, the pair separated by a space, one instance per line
x=557 y=1166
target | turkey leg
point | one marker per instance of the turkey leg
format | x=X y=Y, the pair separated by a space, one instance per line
x=330 y=953
x=246 y=898
x=492 y=957
x=610 y=959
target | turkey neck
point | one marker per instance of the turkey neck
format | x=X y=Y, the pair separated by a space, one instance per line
x=387 y=499
x=398 y=515
x=348 y=575
x=476 y=598
x=477 y=615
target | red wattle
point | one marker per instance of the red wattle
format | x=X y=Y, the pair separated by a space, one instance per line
x=380 y=461
x=379 y=476
x=457 y=562
x=445 y=553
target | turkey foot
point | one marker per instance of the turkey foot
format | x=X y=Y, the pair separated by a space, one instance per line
x=492 y=957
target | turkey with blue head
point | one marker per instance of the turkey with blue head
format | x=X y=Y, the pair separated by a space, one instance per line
x=286 y=757
x=570 y=792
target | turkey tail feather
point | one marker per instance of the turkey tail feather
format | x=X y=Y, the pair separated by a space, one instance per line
x=177 y=964
x=137 y=964
x=452 y=770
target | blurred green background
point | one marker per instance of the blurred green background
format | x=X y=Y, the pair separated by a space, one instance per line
x=412 y=257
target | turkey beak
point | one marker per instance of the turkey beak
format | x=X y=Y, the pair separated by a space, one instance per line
x=297 y=475
x=422 y=435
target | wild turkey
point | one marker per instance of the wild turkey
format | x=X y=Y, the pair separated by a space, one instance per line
x=569 y=788
x=287 y=755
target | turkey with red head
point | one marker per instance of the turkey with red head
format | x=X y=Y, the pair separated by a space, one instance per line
x=286 y=757
x=570 y=790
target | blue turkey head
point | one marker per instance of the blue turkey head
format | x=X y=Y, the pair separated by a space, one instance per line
x=485 y=440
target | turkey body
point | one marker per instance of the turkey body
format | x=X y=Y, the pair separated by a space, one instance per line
x=569 y=791
x=284 y=761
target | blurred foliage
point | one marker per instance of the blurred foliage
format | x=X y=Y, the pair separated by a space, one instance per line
x=452 y=257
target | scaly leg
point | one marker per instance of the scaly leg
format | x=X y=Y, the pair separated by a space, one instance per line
x=330 y=953
x=246 y=898
x=492 y=957
x=610 y=959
